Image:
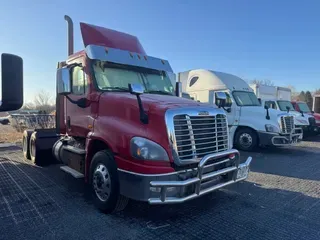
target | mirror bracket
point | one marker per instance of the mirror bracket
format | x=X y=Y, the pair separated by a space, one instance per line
x=138 y=90
x=267 y=109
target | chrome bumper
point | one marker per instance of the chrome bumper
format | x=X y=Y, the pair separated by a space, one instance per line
x=201 y=182
x=283 y=140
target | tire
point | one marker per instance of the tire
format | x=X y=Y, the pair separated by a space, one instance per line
x=36 y=155
x=103 y=170
x=26 y=144
x=246 y=139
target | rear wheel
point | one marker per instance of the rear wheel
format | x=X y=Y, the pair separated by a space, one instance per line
x=36 y=155
x=104 y=183
x=26 y=144
x=246 y=139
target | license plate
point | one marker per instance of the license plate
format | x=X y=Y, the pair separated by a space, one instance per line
x=243 y=172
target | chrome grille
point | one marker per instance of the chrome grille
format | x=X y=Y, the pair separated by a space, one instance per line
x=197 y=136
x=286 y=124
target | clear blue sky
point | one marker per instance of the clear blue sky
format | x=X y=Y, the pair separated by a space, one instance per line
x=276 y=40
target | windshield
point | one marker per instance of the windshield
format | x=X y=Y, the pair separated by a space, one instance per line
x=284 y=104
x=246 y=98
x=113 y=77
x=304 y=107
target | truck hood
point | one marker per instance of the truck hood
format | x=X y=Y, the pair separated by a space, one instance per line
x=152 y=103
x=260 y=112
x=299 y=119
x=316 y=116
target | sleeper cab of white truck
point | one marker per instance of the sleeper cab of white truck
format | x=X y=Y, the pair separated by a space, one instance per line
x=250 y=124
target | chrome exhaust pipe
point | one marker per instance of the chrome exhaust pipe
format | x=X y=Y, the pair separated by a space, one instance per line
x=70 y=35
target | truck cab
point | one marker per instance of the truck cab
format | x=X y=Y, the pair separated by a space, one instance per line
x=250 y=124
x=303 y=107
x=279 y=98
x=123 y=127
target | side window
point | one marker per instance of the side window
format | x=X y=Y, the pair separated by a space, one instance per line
x=193 y=81
x=270 y=104
x=79 y=81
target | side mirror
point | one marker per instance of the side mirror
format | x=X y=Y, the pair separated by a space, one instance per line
x=63 y=81
x=288 y=109
x=301 y=113
x=267 y=109
x=178 y=89
x=12 y=82
x=136 y=89
x=221 y=99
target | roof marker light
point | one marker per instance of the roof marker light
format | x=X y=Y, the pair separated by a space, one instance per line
x=162 y=62
x=131 y=55
x=145 y=57
x=138 y=56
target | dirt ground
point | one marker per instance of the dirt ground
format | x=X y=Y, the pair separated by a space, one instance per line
x=9 y=135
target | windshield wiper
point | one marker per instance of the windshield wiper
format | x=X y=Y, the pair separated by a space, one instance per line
x=122 y=89
x=159 y=92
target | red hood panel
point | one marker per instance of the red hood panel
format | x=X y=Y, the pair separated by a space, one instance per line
x=152 y=101
x=316 y=116
x=101 y=36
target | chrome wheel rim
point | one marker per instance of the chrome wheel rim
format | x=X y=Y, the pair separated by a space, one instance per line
x=101 y=182
x=245 y=140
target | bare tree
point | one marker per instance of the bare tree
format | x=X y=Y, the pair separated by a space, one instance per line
x=262 y=82
x=43 y=102
x=294 y=93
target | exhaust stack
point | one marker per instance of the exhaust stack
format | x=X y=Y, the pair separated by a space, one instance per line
x=70 y=34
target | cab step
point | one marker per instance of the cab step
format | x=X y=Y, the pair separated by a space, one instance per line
x=72 y=172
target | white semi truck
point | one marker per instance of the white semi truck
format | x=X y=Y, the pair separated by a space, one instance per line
x=280 y=98
x=250 y=124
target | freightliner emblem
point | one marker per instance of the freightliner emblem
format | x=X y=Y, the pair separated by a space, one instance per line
x=203 y=113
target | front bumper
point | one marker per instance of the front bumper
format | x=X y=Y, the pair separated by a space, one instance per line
x=275 y=139
x=311 y=129
x=214 y=171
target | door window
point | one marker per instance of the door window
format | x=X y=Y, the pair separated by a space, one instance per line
x=271 y=104
x=79 y=81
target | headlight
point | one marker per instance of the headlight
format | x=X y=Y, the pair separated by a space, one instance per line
x=272 y=128
x=145 y=149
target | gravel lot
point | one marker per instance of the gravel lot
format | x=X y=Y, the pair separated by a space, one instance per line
x=280 y=200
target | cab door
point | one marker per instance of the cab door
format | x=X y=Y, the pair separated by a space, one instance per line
x=232 y=112
x=78 y=118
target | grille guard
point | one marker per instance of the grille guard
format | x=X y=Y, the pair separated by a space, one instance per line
x=196 y=181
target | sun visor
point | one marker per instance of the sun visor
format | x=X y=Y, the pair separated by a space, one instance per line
x=95 y=35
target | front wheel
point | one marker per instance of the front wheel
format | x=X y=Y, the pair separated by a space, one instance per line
x=104 y=183
x=246 y=139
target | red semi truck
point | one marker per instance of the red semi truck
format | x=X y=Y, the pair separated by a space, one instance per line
x=304 y=108
x=122 y=126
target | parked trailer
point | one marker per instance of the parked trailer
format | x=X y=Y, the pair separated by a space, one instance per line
x=120 y=125
x=316 y=103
